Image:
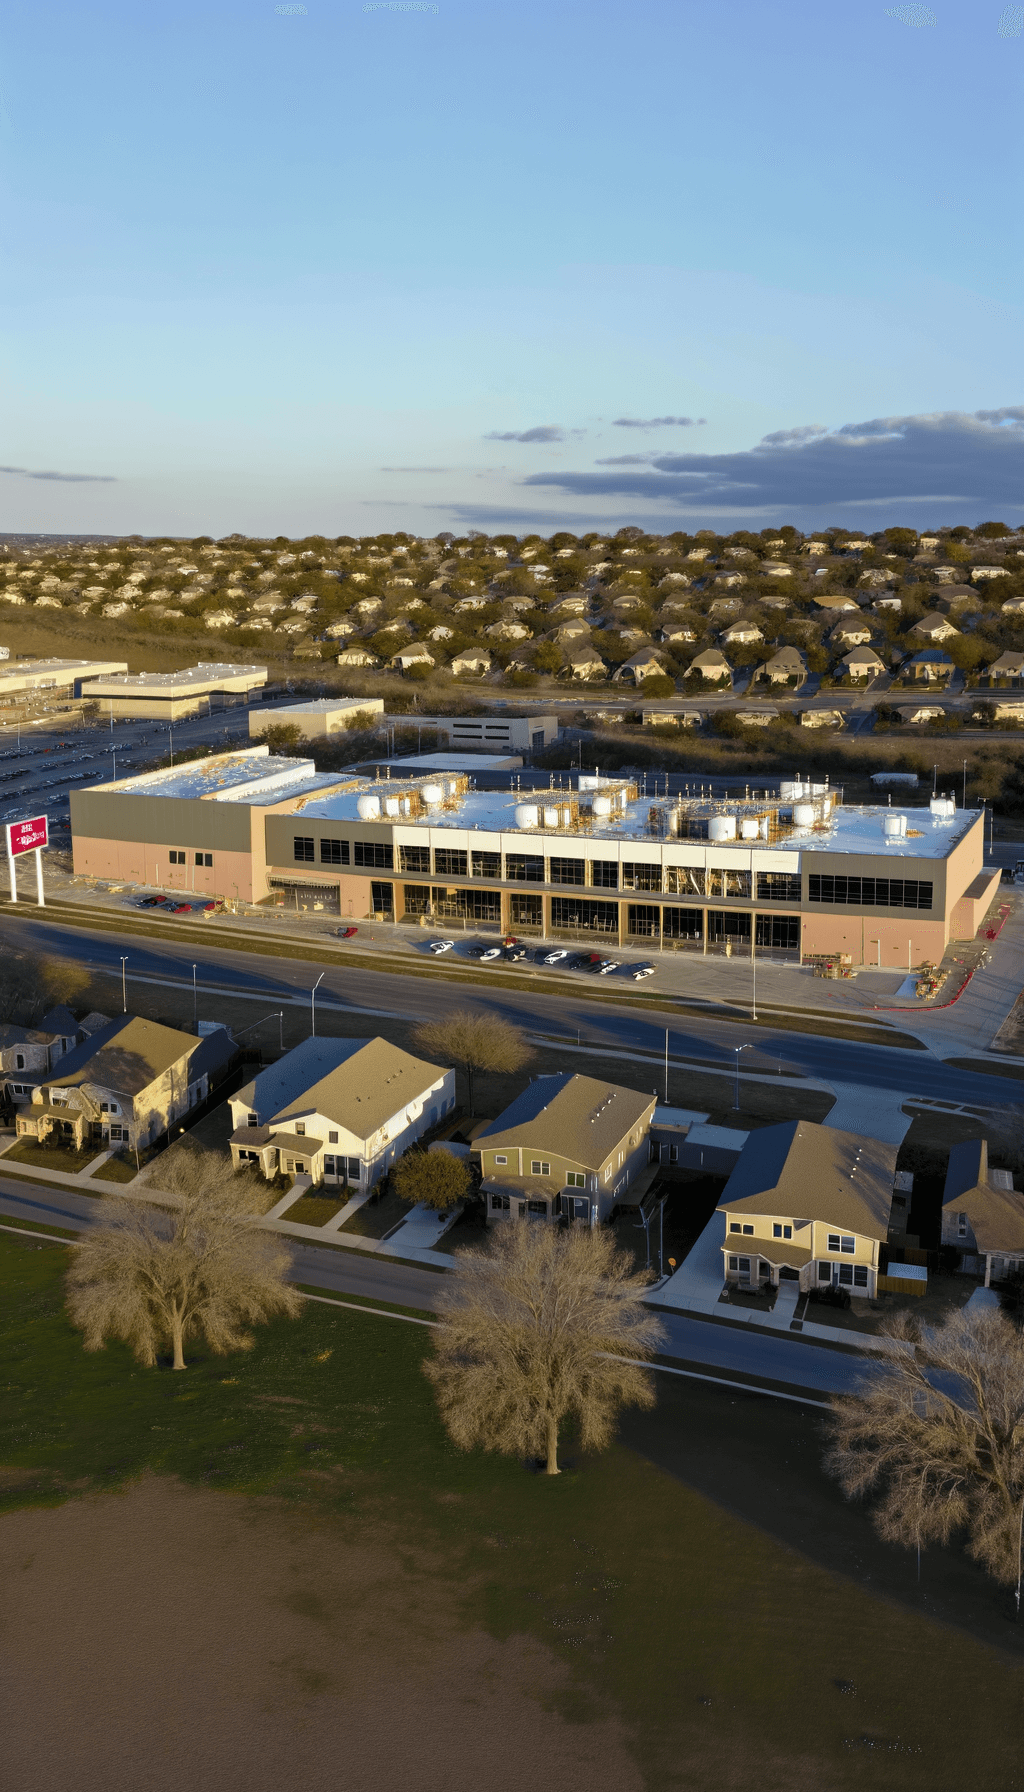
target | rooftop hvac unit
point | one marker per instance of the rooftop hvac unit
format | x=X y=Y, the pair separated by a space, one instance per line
x=527 y=815
x=432 y=794
x=894 y=826
x=943 y=808
x=722 y=827
x=368 y=808
x=803 y=815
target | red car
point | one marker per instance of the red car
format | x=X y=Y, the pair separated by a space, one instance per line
x=182 y=908
x=346 y=933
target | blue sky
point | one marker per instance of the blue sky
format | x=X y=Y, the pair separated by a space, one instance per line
x=284 y=272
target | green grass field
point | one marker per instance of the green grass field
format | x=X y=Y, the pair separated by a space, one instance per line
x=782 y=1653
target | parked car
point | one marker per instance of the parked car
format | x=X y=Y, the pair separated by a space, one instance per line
x=150 y=901
x=475 y=951
x=441 y=945
x=210 y=908
x=606 y=966
x=642 y=970
x=347 y=933
x=554 y=957
x=516 y=952
x=182 y=908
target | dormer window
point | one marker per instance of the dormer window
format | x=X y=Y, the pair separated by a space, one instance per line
x=252 y=1120
x=961 y=1225
x=19 y=1061
x=300 y=1128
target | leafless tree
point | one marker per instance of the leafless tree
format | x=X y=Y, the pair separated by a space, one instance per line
x=474 y=1042
x=543 y=1326
x=938 y=1432
x=153 y=1276
x=436 y=1178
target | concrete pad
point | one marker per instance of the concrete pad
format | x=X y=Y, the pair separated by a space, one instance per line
x=700 y=1277
x=874 y=1113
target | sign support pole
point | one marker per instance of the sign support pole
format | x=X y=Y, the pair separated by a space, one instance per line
x=40 y=897
x=11 y=868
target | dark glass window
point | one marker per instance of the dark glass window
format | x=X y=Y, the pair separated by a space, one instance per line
x=449 y=862
x=870 y=892
x=567 y=871
x=383 y=899
x=334 y=852
x=641 y=877
x=592 y=917
x=778 y=886
x=415 y=858
x=728 y=924
x=417 y=899
x=683 y=923
x=524 y=868
x=303 y=850
x=374 y=853
x=780 y=931
x=605 y=874
x=486 y=864
x=204 y=858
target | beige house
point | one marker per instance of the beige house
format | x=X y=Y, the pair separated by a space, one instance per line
x=981 y=573
x=741 y=633
x=932 y=628
x=712 y=666
x=28 y=1053
x=585 y=664
x=128 y=1083
x=643 y=665
x=471 y=660
x=1008 y=665
x=863 y=662
x=982 y=1214
x=569 y=1147
x=407 y=657
x=787 y=664
x=850 y=631
x=808 y=1204
x=337 y=1110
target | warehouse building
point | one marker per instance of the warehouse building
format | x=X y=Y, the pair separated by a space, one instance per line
x=488 y=734
x=26 y=678
x=174 y=696
x=318 y=719
x=786 y=874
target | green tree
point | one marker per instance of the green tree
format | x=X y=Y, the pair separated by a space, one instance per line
x=435 y=1179
x=544 y=1327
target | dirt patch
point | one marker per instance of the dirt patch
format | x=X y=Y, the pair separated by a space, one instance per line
x=169 y=1634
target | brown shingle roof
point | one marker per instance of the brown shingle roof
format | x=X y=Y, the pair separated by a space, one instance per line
x=574 y=1117
x=800 y=1170
x=996 y=1215
x=125 y=1056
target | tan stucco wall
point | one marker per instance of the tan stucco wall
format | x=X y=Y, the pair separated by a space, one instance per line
x=148 y=864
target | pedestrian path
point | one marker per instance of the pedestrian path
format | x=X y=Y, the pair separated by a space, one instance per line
x=874 y=1113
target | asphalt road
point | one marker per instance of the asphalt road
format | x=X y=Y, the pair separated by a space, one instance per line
x=562 y=1012
x=702 y=1345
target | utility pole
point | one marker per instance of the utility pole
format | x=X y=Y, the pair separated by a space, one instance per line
x=312 y=1002
x=124 y=984
x=195 y=1003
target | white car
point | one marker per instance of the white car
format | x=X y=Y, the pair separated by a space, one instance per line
x=643 y=970
x=610 y=964
x=441 y=945
x=491 y=952
x=555 y=957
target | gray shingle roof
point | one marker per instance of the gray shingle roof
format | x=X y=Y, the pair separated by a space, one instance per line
x=575 y=1117
x=810 y=1172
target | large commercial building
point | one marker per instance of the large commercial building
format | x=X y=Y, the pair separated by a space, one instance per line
x=28 y=678
x=317 y=719
x=788 y=873
x=488 y=734
x=173 y=696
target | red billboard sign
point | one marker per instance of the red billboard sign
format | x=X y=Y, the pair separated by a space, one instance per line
x=26 y=836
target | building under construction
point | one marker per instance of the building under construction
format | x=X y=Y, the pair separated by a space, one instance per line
x=786 y=873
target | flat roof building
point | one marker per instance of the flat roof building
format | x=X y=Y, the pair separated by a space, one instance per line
x=169 y=696
x=517 y=734
x=19 y=678
x=315 y=720
x=786 y=874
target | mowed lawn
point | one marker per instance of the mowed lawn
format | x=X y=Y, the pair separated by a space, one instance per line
x=733 y=1657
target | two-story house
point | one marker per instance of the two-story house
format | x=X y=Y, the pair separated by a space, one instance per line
x=127 y=1083
x=567 y=1147
x=982 y=1213
x=808 y=1203
x=338 y=1110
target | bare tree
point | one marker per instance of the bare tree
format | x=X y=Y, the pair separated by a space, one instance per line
x=543 y=1326
x=436 y=1178
x=474 y=1042
x=938 y=1431
x=152 y=1276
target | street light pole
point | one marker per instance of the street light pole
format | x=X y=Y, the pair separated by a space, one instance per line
x=666 y=1067
x=195 y=1003
x=312 y=1002
x=738 y=1049
x=124 y=985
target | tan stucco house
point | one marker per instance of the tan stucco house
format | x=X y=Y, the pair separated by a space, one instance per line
x=568 y=1147
x=128 y=1083
x=982 y=1213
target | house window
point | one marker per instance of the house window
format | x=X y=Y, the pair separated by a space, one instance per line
x=499 y=1203
x=248 y=1157
x=734 y=1226
x=332 y=1138
x=334 y=852
x=19 y=1062
x=860 y=1275
x=961 y=1223
x=176 y=858
x=500 y=1160
x=353 y=1169
x=204 y=858
x=743 y=1264
x=300 y=1129
x=824 y=1272
x=537 y=1207
x=303 y=849
x=539 y=1168
x=782 y=1231
x=763 y=1268
x=840 y=1242
x=252 y=1120
x=330 y=1166
x=846 y=1275
x=749 y=1230
x=576 y=1179
x=115 y=1132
